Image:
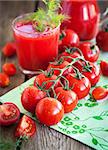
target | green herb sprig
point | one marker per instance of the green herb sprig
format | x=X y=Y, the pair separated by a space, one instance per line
x=48 y=18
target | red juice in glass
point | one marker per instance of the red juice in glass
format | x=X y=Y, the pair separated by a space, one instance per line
x=84 y=17
x=34 y=49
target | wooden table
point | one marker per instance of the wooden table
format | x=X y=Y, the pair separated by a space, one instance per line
x=46 y=138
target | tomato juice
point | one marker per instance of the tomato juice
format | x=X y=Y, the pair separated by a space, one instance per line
x=34 y=49
x=84 y=17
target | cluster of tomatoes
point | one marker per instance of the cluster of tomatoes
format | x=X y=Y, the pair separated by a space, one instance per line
x=57 y=90
x=8 y=69
x=65 y=81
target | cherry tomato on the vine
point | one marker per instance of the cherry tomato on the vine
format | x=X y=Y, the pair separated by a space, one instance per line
x=70 y=52
x=99 y=93
x=90 y=52
x=49 y=111
x=79 y=65
x=81 y=86
x=104 y=68
x=92 y=72
x=9 y=114
x=26 y=127
x=9 y=49
x=30 y=97
x=9 y=69
x=55 y=65
x=68 y=98
x=48 y=80
x=4 y=80
x=68 y=38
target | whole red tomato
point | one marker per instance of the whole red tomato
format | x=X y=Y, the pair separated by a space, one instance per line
x=68 y=38
x=102 y=39
x=9 y=49
x=81 y=86
x=4 y=80
x=104 y=68
x=70 y=52
x=49 y=111
x=79 y=65
x=57 y=65
x=9 y=69
x=90 y=52
x=30 y=97
x=47 y=79
x=92 y=72
x=68 y=98
x=26 y=127
x=99 y=93
x=9 y=114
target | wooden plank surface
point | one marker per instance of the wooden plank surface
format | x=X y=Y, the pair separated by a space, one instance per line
x=46 y=138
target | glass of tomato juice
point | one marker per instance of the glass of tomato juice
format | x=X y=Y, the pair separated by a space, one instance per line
x=34 y=49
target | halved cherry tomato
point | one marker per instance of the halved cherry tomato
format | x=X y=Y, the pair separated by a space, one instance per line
x=26 y=127
x=92 y=72
x=42 y=78
x=68 y=98
x=30 y=97
x=4 y=80
x=81 y=85
x=90 y=52
x=104 y=68
x=49 y=111
x=99 y=93
x=9 y=69
x=9 y=49
x=68 y=38
x=9 y=114
x=57 y=65
x=71 y=52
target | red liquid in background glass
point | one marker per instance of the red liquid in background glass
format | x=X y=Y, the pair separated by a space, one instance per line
x=84 y=17
x=35 y=50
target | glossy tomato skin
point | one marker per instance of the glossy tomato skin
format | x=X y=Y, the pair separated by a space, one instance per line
x=58 y=66
x=104 y=68
x=99 y=93
x=70 y=39
x=72 y=55
x=43 y=78
x=30 y=97
x=93 y=75
x=26 y=127
x=9 y=69
x=49 y=111
x=4 y=80
x=91 y=53
x=79 y=65
x=9 y=49
x=68 y=98
x=83 y=17
x=9 y=114
x=102 y=40
x=80 y=86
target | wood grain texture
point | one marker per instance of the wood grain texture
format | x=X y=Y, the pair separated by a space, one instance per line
x=8 y=11
x=46 y=138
